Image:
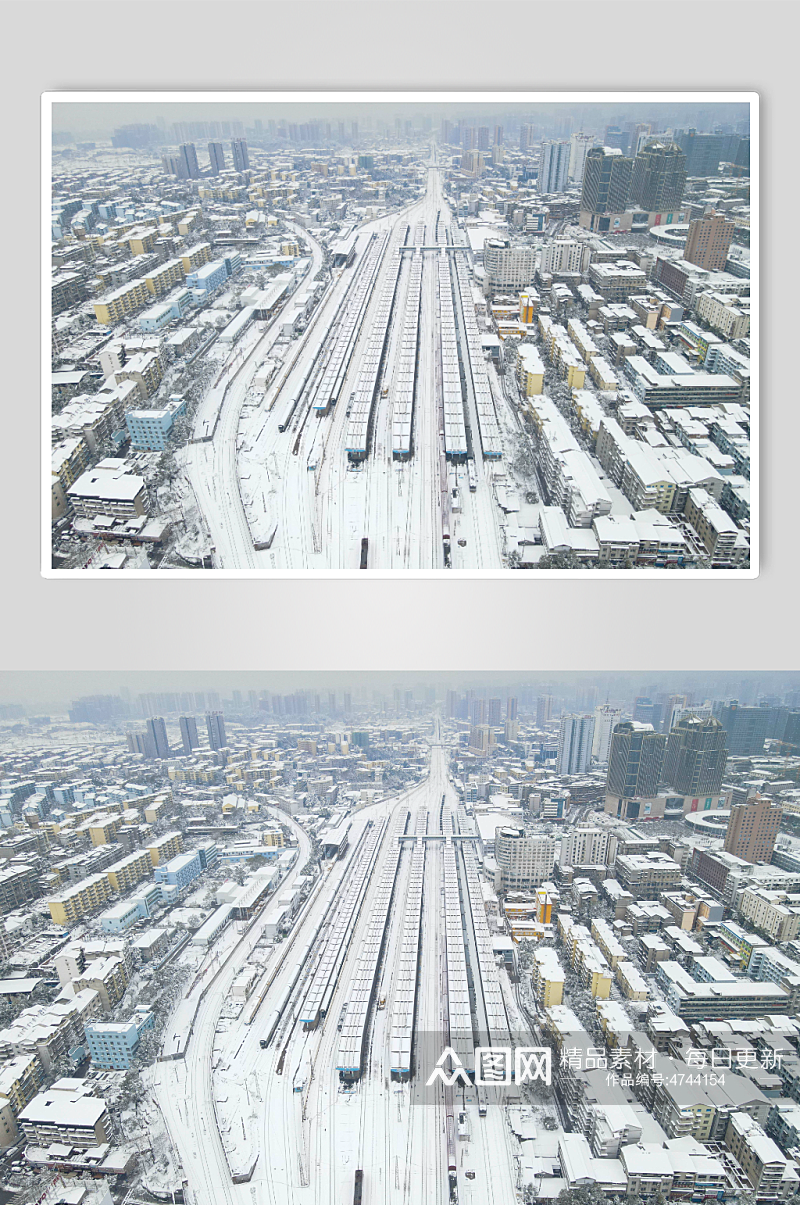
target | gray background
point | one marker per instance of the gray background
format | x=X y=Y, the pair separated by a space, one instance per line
x=528 y=622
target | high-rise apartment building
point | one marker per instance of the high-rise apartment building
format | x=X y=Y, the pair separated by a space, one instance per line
x=526 y=137
x=241 y=157
x=635 y=760
x=495 y=712
x=523 y=861
x=575 y=743
x=579 y=145
x=696 y=754
x=511 y=708
x=563 y=255
x=216 y=156
x=606 y=719
x=708 y=242
x=658 y=179
x=752 y=829
x=189 y=737
x=157 y=732
x=215 y=726
x=584 y=846
x=606 y=180
x=553 y=166
x=187 y=156
x=544 y=710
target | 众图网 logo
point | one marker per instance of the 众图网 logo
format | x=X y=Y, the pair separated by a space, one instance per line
x=495 y=1066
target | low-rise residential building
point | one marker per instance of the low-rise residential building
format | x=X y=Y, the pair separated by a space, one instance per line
x=87 y=895
x=694 y=1001
x=108 y=977
x=71 y=1118
x=547 y=977
x=114 y=1044
x=109 y=489
x=761 y=1159
x=164 y=848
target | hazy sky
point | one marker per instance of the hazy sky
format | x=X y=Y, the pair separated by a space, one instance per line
x=100 y=120
x=36 y=689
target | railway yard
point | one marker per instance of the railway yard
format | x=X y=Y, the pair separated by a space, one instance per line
x=377 y=444
x=316 y=1091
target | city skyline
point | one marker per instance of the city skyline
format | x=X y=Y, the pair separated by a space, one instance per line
x=443 y=341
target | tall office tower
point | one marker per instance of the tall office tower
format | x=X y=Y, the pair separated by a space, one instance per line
x=157 y=731
x=553 y=166
x=215 y=726
x=523 y=861
x=746 y=727
x=512 y=708
x=446 y=131
x=469 y=138
x=236 y=699
x=584 y=846
x=672 y=710
x=354 y=131
x=241 y=158
x=579 y=145
x=477 y=712
x=645 y=711
x=705 y=151
x=217 y=158
x=451 y=704
x=575 y=744
x=483 y=138
x=641 y=135
x=188 y=158
x=752 y=829
x=605 y=720
x=498 y=135
x=189 y=738
x=495 y=712
x=635 y=760
x=544 y=710
x=696 y=754
x=790 y=737
x=616 y=137
x=606 y=180
x=526 y=139
x=658 y=180
x=708 y=242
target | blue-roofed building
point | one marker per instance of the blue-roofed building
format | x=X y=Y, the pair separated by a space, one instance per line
x=113 y=1045
x=209 y=853
x=208 y=278
x=149 y=429
x=119 y=917
x=146 y=899
x=180 y=870
x=232 y=262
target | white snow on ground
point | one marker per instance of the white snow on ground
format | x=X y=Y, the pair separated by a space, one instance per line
x=295 y=490
x=229 y=1103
